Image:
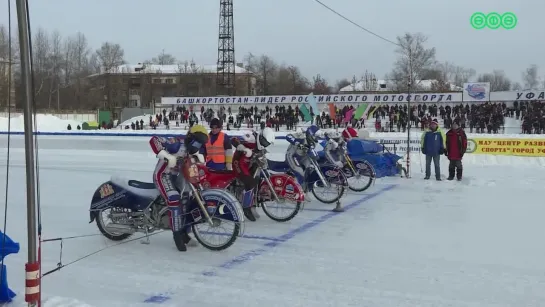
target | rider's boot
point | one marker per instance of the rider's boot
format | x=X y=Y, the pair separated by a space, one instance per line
x=247 y=201
x=304 y=184
x=176 y=224
x=187 y=228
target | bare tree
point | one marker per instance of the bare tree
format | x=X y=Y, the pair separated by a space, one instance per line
x=266 y=69
x=164 y=59
x=320 y=85
x=183 y=67
x=531 y=77
x=341 y=84
x=461 y=75
x=414 y=60
x=56 y=62
x=41 y=56
x=77 y=67
x=369 y=82
x=299 y=84
x=110 y=55
x=283 y=84
x=354 y=83
x=497 y=79
x=516 y=87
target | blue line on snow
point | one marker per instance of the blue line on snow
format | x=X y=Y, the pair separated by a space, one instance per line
x=248 y=256
x=255 y=237
x=303 y=228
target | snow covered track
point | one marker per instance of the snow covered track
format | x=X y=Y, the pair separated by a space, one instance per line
x=420 y=244
x=270 y=245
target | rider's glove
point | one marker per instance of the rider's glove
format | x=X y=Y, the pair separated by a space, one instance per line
x=339 y=164
x=247 y=152
x=171 y=159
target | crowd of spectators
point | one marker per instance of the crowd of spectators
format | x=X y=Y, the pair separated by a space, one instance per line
x=474 y=118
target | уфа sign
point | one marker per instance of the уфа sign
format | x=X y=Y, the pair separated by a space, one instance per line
x=518 y=95
x=507 y=147
x=339 y=98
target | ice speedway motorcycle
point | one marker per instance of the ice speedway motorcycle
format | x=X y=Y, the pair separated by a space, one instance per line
x=134 y=206
x=324 y=174
x=275 y=191
x=326 y=177
x=356 y=169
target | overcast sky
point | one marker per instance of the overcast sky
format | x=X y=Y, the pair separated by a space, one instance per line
x=303 y=33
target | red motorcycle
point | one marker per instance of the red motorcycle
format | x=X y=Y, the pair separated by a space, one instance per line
x=281 y=189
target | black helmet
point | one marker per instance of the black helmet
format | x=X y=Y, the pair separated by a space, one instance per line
x=196 y=138
x=215 y=122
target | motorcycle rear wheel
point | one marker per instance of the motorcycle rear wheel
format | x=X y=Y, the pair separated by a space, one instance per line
x=114 y=236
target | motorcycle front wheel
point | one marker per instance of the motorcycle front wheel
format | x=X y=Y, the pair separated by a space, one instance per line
x=292 y=208
x=231 y=236
x=226 y=230
x=335 y=190
x=365 y=174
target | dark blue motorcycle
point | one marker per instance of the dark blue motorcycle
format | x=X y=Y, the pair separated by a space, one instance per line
x=132 y=206
x=327 y=178
x=355 y=170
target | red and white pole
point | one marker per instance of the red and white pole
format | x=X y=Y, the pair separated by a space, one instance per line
x=32 y=283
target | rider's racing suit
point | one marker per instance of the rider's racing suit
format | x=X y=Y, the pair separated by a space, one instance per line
x=243 y=168
x=164 y=177
x=334 y=151
x=296 y=155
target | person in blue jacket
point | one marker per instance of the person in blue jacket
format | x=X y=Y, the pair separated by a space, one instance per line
x=433 y=146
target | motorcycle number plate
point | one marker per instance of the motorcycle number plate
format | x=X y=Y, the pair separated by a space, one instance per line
x=196 y=213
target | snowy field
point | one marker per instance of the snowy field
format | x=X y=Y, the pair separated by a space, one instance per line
x=403 y=242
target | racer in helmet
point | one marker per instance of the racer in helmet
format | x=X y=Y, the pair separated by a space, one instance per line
x=333 y=149
x=296 y=155
x=168 y=150
x=349 y=133
x=246 y=146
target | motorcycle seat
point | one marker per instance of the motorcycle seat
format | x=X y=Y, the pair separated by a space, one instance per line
x=138 y=188
x=220 y=171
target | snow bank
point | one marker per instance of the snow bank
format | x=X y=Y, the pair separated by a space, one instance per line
x=45 y=123
x=144 y=117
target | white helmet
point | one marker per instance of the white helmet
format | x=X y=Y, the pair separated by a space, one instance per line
x=248 y=137
x=266 y=138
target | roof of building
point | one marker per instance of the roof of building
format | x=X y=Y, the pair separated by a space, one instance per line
x=167 y=69
x=362 y=86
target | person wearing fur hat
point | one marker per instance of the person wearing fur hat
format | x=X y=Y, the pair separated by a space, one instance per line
x=433 y=146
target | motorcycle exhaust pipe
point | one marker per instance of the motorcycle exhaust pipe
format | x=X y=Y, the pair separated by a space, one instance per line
x=124 y=215
x=117 y=228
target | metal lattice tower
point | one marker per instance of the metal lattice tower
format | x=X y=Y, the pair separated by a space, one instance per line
x=225 y=78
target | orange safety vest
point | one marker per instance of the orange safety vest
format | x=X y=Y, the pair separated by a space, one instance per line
x=215 y=152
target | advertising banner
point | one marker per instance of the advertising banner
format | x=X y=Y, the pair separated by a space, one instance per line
x=507 y=147
x=399 y=145
x=476 y=92
x=518 y=95
x=338 y=98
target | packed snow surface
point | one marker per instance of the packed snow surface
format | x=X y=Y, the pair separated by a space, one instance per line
x=403 y=242
x=44 y=122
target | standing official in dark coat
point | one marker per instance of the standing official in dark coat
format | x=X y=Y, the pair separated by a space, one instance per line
x=456 y=146
x=433 y=146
